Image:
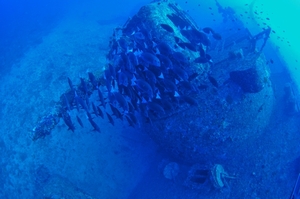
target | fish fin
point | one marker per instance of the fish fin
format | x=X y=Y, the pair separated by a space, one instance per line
x=161 y=76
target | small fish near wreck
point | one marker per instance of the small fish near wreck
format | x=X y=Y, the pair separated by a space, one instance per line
x=167 y=28
x=174 y=81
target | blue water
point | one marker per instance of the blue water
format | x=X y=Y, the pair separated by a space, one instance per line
x=23 y=24
x=42 y=43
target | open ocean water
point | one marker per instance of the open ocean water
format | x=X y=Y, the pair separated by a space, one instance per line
x=43 y=43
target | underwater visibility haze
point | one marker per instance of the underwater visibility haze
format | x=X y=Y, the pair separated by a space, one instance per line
x=149 y=99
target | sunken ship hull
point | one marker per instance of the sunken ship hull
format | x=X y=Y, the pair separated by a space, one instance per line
x=223 y=104
x=202 y=96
